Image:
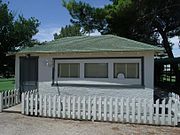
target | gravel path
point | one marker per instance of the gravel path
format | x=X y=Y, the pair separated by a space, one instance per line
x=17 y=124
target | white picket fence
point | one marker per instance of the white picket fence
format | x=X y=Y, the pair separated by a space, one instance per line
x=102 y=109
x=174 y=96
x=9 y=98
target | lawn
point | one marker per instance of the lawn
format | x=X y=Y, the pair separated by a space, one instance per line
x=6 y=84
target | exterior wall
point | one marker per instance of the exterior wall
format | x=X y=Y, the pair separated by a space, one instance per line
x=17 y=66
x=45 y=76
x=149 y=71
x=46 y=88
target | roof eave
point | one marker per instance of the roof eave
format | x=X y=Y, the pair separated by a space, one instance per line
x=52 y=52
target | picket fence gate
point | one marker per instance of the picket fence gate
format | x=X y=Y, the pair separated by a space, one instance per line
x=95 y=108
x=9 y=98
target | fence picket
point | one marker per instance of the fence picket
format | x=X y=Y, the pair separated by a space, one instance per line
x=99 y=106
x=1 y=102
x=49 y=106
x=151 y=111
x=157 y=112
x=64 y=107
x=59 y=107
x=127 y=110
x=40 y=105
x=36 y=104
x=54 y=106
x=145 y=111
x=69 y=107
x=122 y=110
x=22 y=104
x=79 y=108
x=31 y=103
x=110 y=109
x=5 y=99
x=84 y=107
x=89 y=108
x=27 y=103
x=45 y=105
x=8 y=98
x=163 y=113
x=16 y=92
x=94 y=109
x=116 y=110
x=133 y=110
x=105 y=108
x=73 y=107
x=175 y=113
x=139 y=111
x=11 y=98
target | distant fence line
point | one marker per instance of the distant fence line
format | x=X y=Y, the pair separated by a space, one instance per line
x=9 y=98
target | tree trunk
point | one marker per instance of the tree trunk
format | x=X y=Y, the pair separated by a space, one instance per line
x=166 y=44
x=171 y=56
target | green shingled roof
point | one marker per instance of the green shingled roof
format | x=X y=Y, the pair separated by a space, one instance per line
x=105 y=43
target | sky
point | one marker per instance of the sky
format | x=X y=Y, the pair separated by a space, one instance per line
x=52 y=16
x=50 y=13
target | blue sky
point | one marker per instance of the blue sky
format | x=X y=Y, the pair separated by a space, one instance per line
x=50 y=13
x=53 y=16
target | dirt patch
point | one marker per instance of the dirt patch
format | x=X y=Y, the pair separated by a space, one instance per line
x=115 y=128
x=17 y=124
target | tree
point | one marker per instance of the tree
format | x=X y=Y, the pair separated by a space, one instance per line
x=14 y=33
x=68 y=31
x=141 y=20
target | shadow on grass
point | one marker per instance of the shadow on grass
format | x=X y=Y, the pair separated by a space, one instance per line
x=7 y=80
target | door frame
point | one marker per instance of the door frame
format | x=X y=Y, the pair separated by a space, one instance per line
x=28 y=57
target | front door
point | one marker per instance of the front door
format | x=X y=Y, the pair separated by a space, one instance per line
x=28 y=73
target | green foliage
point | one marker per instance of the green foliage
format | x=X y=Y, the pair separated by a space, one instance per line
x=87 y=17
x=141 y=20
x=15 y=33
x=25 y=29
x=68 y=31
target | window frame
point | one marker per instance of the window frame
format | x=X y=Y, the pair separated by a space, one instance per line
x=110 y=79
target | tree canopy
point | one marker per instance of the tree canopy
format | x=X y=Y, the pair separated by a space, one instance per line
x=142 y=20
x=15 y=32
x=68 y=31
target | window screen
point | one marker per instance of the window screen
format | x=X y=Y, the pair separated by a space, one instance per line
x=130 y=70
x=69 y=70
x=96 y=70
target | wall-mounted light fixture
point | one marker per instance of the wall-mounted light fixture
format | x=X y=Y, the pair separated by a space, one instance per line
x=48 y=63
x=28 y=55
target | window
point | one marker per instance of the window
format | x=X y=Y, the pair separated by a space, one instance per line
x=69 y=70
x=96 y=70
x=130 y=70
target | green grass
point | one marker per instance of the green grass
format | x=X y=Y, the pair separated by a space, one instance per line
x=6 y=84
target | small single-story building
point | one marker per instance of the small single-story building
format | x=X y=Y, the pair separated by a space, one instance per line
x=88 y=65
